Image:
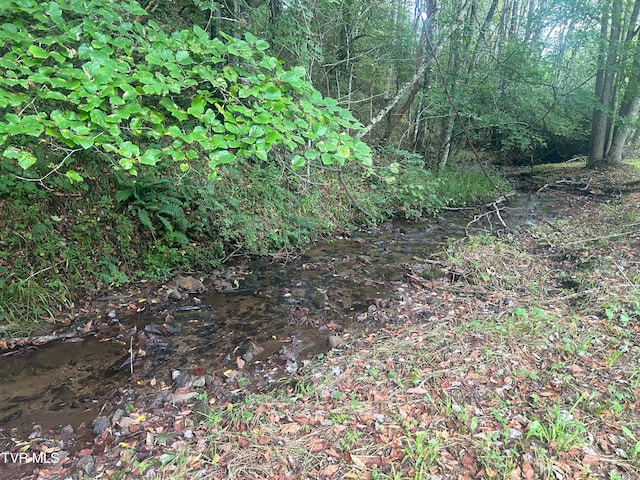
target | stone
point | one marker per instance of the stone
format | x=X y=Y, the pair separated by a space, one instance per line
x=183 y=397
x=117 y=415
x=189 y=284
x=334 y=341
x=174 y=295
x=99 y=425
x=319 y=299
x=87 y=464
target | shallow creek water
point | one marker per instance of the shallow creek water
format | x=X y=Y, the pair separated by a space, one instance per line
x=326 y=290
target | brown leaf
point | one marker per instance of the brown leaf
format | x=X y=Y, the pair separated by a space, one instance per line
x=417 y=390
x=290 y=428
x=468 y=460
x=575 y=369
x=515 y=474
x=331 y=452
x=316 y=446
x=243 y=442
x=329 y=470
x=528 y=473
x=261 y=409
x=591 y=460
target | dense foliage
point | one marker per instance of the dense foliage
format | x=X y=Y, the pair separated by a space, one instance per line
x=88 y=77
x=114 y=119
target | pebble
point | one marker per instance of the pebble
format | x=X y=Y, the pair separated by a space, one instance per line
x=175 y=295
x=189 y=284
x=183 y=397
x=87 y=464
x=99 y=425
x=334 y=341
x=319 y=299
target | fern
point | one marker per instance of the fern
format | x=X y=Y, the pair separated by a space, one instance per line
x=166 y=223
x=145 y=219
x=155 y=202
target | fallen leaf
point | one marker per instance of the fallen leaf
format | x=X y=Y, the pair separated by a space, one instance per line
x=417 y=390
x=290 y=428
x=591 y=460
x=329 y=470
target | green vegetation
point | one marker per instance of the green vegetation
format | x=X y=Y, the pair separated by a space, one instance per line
x=134 y=96
x=482 y=390
x=115 y=229
x=114 y=131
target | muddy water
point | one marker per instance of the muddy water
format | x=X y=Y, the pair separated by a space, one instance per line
x=326 y=291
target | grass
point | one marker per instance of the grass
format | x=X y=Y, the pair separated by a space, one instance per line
x=504 y=381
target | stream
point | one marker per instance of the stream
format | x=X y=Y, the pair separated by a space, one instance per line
x=274 y=317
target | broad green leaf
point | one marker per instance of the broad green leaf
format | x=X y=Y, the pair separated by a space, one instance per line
x=327 y=159
x=73 y=176
x=220 y=157
x=311 y=154
x=173 y=108
x=183 y=57
x=273 y=93
x=297 y=161
x=197 y=106
x=98 y=116
x=344 y=151
x=126 y=163
x=38 y=52
x=25 y=159
x=129 y=150
x=327 y=146
x=150 y=156
x=269 y=63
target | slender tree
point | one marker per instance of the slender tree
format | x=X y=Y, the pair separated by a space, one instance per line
x=619 y=34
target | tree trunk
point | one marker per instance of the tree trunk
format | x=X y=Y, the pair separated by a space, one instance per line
x=446 y=139
x=394 y=101
x=395 y=118
x=628 y=111
x=600 y=123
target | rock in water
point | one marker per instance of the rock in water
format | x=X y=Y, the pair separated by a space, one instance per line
x=319 y=299
x=189 y=284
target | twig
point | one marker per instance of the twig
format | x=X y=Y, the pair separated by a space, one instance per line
x=613 y=235
x=495 y=210
x=350 y=197
x=52 y=171
x=135 y=330
x=624 y=275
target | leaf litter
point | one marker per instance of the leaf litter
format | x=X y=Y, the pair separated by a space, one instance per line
x=523 y=362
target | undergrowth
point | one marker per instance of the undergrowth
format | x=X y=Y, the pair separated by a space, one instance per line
x=504 y=371
x=111 y=229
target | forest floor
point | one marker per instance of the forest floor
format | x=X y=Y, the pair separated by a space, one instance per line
x=522 y=362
